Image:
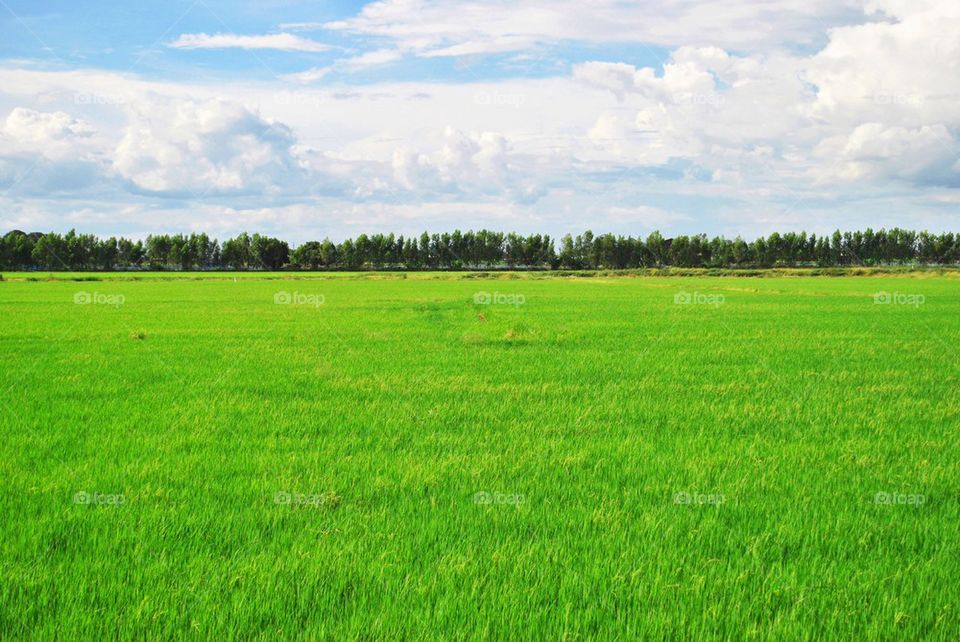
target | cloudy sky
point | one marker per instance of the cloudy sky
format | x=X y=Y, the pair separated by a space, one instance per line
x=313 y=119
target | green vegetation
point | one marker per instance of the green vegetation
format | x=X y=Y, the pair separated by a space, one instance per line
x=452 y=458
x=501 y=275
x=477 y=251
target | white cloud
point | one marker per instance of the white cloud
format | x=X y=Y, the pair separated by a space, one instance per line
x=42 y=152
x=924 y=155
x=905 y=72
x=30 y=126
x=876 y=111
x=373 y=58
x=706 y=106
x=439 y=28
x=646 y=217
x=301 y=26
x=473 y=164
x=839 y=115
x=280 y=41
x=355 y=63
x=204 y=147
x=309 y=76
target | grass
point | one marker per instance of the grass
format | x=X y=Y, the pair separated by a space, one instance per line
x=384 y=458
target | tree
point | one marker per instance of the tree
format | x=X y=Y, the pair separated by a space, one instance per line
x=481 y=249
x=46 y=252
x=307 y=255
x=236 y=252
x=657 y=248
x=269 y=252
x=129 y=254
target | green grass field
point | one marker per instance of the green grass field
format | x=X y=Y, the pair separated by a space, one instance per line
x=394 y=458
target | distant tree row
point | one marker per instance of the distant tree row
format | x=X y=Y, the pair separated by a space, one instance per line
x=474 y=250
x=72 y=251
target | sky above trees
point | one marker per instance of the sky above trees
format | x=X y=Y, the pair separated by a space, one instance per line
x=306 y=120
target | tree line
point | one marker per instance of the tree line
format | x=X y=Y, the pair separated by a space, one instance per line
x=483 y=249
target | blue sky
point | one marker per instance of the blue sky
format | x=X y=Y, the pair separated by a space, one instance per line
x=328 y=119
x=123 y=38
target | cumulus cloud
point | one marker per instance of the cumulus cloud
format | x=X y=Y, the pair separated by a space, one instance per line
x=43 y=152
x=461 y=161
x=906 y=70
x=706 y=106
x=838 y=115
x=280 y=41
x=40 y=128
x=202 y=147
x=690 y=77
x=755 y=103
x=924 y=155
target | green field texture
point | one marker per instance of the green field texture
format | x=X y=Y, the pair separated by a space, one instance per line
x=373 y=458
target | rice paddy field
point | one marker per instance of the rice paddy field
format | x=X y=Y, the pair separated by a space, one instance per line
x=461 y=457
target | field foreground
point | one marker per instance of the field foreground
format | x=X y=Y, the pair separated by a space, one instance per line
x=513 y=458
